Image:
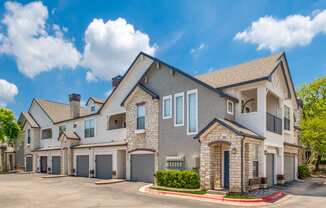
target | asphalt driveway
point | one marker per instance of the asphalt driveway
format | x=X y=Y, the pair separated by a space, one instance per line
x=29 y=190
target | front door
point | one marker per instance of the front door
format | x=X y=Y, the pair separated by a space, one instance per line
x=226 y=169
x=44 y=164
x=270 y=169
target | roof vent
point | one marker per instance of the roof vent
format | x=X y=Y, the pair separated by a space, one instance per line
x=116 y=80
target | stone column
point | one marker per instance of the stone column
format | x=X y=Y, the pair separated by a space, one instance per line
x=235 y=165
x=204 y=165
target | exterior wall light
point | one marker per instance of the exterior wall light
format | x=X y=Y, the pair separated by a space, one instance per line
x=234 y=151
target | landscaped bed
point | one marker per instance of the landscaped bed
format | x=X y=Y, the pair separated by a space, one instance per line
x=190 y=191
x=239 y=196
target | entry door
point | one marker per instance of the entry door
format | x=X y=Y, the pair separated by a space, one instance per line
x=270 y=169
x=44 y=164
x=226 y=169
x=29 y=164
x=289 y=167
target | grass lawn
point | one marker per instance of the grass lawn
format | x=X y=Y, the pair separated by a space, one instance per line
x=239 y=196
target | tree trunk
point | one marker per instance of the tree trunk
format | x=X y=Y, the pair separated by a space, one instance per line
x=317 y=162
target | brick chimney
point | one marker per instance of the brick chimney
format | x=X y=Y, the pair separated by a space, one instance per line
x=74 y=102
x=116 y=80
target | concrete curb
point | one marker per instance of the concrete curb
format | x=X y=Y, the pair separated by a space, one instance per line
x=215 y=198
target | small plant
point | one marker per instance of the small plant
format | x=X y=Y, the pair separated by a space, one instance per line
x=303 y=171
x=178 y=179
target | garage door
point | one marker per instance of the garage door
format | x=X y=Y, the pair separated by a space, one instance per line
x=142 y=168
x=103 y=166
x=56 y=165
x=270 y=169
x=29 y=164
x=44 y=164
x=289 y=167
x=82 y=165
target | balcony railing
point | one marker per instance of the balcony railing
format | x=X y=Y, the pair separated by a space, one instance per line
x=273 y=123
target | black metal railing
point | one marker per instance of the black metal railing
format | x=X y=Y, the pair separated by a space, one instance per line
x=273 y=123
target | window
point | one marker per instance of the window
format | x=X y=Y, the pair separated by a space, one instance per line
x=192 y=111
x=46 y=133
x=286 y=118
x=179 y=109
x=62 y=129
x=93 y=108
x=89 y=128
x=75 y=125
x=141 y=116
x=230 y=107
x=167 y=107
x=255 y=163
x=28 y=136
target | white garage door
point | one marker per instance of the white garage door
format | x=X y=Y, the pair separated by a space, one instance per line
x=289 y=167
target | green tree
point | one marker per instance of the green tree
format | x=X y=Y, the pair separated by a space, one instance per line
x=9 y=131
x=313 y=123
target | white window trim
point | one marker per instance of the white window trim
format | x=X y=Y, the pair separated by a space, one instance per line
x=195 y=91
x=227 y=107
x=94 y=127
x=163 y=107
x=181 y=94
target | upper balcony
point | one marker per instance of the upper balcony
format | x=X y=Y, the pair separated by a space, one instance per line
x=274 y=114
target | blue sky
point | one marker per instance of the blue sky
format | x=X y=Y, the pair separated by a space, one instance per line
x=196 y=36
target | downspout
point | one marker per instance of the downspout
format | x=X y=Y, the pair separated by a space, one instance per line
x=242 y=139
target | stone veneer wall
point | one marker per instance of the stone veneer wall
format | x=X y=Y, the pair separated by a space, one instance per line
x=149 y=139
x=220 y=133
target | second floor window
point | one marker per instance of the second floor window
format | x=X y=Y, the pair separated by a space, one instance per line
x=230 y=107
x=62 y=129
x=167 y=107
x=93 y=108
x=28 y=136
x=286 y=118
x=178 y=109
x=141 y=116
x=46 y=133
x=192 y=111
x=89 y=128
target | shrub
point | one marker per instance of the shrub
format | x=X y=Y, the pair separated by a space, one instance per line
x=303 y=171
x=178 y=179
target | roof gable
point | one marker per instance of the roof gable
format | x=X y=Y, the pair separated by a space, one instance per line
x=254 y=70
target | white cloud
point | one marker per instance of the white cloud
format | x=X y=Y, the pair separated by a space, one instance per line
x=196 y=51
x=7 y=92
x=294 y=30
x=111 y=46
x=27 y=39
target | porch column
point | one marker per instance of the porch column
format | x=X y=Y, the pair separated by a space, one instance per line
x=235 y=164
x=205 y=172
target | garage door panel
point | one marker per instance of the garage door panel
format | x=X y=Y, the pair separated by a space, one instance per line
x=103 y=166
x=289 y=167
x=142 y=167
x=29 y=164
x=56 y=165
x=83 y=165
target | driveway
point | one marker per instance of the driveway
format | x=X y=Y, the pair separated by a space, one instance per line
x=29 y=190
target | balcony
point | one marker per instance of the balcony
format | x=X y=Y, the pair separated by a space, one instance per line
x=273 y=123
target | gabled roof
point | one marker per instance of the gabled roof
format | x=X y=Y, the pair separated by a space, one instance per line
x=231 y=125
x=69 y=135
x=58 y=112
x=253 y=70
x=26 y=116
x=145 y=89
x=95 y=100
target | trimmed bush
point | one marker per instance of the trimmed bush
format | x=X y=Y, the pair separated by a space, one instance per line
x=303 y=171
x=178 y=179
